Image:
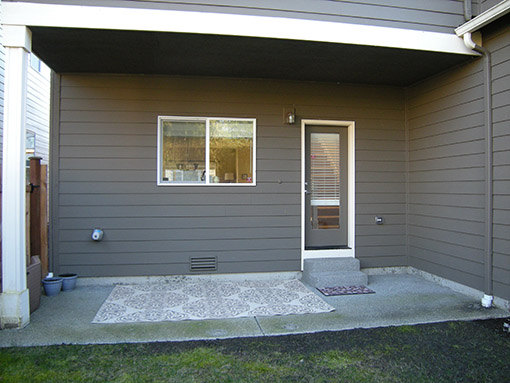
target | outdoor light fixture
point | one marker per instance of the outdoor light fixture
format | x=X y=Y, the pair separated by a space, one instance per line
x=291 y=118
x=289 y=115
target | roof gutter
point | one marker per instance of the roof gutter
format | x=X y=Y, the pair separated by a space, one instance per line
x=484 y=18
x=465 y=31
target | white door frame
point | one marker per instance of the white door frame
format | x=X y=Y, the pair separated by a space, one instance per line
x=350 y=252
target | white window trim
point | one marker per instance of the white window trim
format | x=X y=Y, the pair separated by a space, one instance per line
x=351 y=190
x=207 y=154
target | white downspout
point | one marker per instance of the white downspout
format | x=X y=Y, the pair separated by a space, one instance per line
x=488 y=274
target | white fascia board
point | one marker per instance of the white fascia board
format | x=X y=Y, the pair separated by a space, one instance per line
x=484 y=18
x=135 y=19
x=17 y=36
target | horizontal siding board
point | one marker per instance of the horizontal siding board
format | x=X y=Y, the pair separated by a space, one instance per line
x=391 y=177
x=445 y=130
x=175 y=268
x=381 y=198
x=457 y=162
x=469 y=174
x=457 y=149
x=452 y=212
x=501 y=187
x=389 y=261
x=389 y=219
x=77 y=223
x=115 y=235
x=378 y=230
x=502 y=289
x=156 y=200
x=455 y=99
x=501 y=245
x=465 y=135
x=447 y=260
x=380 y=251
x=178 y=211
x=380 y=240
x=442 y=223
x=502 y=261
x=363 y=166
x=502 y=173
x=451 y=236
x=466 y=200
x=501 y=231
x=150 y=187
x=176 y=257
x=458 y=187
x=176 y=245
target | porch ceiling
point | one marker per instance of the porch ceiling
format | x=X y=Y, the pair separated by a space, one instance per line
x=111 y=51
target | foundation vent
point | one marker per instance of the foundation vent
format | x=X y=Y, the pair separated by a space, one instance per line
x=203 y=264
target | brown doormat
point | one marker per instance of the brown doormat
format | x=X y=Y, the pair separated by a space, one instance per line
x=345 y=290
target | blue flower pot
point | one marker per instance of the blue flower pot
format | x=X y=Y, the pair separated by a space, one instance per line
x=52 y=286
x=68 y=281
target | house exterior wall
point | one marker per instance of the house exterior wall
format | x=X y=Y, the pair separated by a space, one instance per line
x=38 y=108
x=105 y=175
x=428 y=15
x=487 y=4
x=447 y=169
x=2 y=82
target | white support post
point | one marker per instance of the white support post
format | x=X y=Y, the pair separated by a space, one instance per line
x=14 y=300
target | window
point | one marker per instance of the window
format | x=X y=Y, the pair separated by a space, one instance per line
x=35 y=62
x=29 y=146
x=206 y=151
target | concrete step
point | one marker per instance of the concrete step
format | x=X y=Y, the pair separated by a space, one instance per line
x=319 y=265
x=335 y=278
x=329 y=272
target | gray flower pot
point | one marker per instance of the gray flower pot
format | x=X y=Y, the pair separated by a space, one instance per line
x=52 y=286
x=68 y=281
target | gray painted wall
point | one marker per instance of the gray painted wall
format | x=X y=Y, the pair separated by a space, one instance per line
x=486 y=4
x=430 y=15
x=107 y=175
x=446 y=163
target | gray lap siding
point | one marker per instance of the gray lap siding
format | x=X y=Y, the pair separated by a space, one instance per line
x=447 y=169
x=106 y=175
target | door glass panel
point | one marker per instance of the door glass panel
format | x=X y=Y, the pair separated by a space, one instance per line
x=325 y=180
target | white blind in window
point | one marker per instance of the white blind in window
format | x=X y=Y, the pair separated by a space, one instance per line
x=325 y=169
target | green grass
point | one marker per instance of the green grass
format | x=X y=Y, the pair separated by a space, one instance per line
x=446 y=352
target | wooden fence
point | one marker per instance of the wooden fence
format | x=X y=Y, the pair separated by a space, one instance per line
x=36 y=213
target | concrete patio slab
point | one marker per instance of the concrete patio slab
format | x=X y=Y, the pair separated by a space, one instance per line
x=399 y=299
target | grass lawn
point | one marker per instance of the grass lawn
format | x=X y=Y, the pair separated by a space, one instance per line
x=446 y=352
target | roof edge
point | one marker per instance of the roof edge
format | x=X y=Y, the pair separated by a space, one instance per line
x=135 y=19
x=484 y=18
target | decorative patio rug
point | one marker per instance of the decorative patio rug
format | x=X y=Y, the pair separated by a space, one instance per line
x=345 y=290
x=184 y=300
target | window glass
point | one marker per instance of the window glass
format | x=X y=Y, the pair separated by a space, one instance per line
x=208 y=151
x=231 y=151
x=183 y=151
